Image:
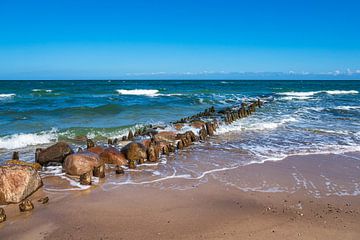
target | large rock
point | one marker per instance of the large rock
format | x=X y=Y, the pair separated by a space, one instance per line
x=134 y=151
x=80 y=163
x=113 y=156
x=97 y=150
x=17 y=183
x=165 y=136
x=55 y=153
x=36 y=166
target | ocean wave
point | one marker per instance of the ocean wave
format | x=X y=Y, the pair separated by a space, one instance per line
x=42 y=90
x=347 y=108
x=7 y=95
x=340 y=92
x=307 y=95
x=145 y=92
x=259 y=126
x=22 y=140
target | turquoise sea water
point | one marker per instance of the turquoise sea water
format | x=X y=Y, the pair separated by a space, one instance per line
x=299 y=116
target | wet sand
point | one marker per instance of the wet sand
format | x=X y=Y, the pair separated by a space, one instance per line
x=301 y=197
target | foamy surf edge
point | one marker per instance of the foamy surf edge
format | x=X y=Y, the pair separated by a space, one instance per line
x=22 y=140
x=7 y=95
x=145 y=92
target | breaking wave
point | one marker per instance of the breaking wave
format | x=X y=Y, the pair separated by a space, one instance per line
x=7 y=95
x=22 y=140
x=145 y=92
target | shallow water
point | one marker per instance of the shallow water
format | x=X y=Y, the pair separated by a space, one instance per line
x=299 y=117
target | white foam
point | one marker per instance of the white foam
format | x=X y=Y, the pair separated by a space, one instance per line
x=307 y=95
x=338 y=92
x=299 y=94
x=145 y=92
x=259 y=126
x=347 y=107
x=42 y=90
x=7 y=95
x=21 y=140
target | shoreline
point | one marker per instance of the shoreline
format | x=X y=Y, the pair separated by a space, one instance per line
x=213 y=209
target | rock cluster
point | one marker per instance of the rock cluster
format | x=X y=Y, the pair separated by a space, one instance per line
x=19 y=179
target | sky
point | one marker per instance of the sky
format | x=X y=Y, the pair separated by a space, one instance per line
x=133 y=39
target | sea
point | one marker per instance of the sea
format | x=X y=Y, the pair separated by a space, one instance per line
x=298 y=117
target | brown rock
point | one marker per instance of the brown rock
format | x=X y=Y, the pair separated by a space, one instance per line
x=15 y=156
x=113 y=156
x=152 y=153
x=17 y=182
x=132 y=164
x=209 y=129
x=44 y=200
x=110 y=142
x=171 y=148
x=2 y=215
x=97 y=150
x=119 y=170
x=165 y=136
x=55 y=153
x=180 y=144
x=26 y=205
x=99 y=171
x=85 y=179
x=203 y=134
x=36 y=166
x=178 y=126
x=130 y=136
x=80 y=163
x=134 y=151
x=192 y=135
x=90 y=143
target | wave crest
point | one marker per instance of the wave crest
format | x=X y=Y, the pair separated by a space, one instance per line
x=7 y=95
x=22 y=140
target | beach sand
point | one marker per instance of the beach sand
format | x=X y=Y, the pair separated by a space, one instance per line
x=300 y=197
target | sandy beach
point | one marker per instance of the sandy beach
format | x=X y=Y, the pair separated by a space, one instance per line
x=285 y=206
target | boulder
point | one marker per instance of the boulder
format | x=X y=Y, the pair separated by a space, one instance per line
x=2 y=215
x=132 y=164
x=90 y=143
x=111 y=155
x=152 y=153
x=80 y=163
x=55 y=153
x=85 y=179
x=36 y=166
x=134 y=151
x=165 y=136
x=26 y=205
x=15 y=156
x=180 y=144
x=203 y=134
x=209 y=129
x=119 y=170
x=130 y=136
x=97 y=150
x=17 y=182
x=99 y=171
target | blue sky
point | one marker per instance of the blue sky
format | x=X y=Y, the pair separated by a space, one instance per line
x=47 y=39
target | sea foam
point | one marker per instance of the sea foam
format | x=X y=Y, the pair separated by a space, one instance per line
x=141 y=92
x=145 y=92
x=42 y=90
x=21 y=140
x=7 y=95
